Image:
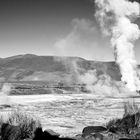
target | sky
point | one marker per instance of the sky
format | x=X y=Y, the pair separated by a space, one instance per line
x=53 y=27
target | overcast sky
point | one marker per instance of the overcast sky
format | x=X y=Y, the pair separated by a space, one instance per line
x=53 y=27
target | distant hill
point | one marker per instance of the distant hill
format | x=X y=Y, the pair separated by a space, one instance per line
x=31 y=67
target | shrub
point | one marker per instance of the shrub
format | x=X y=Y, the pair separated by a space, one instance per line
x=129 y=121
x=130 y=108
x=26 y=123
x=111 y=123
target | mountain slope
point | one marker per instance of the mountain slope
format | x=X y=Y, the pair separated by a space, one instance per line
x=50 y=68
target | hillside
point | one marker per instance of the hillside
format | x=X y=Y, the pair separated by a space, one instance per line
x=49 y=68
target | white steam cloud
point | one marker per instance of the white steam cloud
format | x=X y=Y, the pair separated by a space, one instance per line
x=4 y=99
x=102 y=85
x=116 y=20
x=90 y=79
x=84 y=35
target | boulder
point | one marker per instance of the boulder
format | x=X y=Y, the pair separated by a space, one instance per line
x=51 y=132
x=113 y=130
x=78 y=136
x=92 y=130
x=98 y=136
x=127 y=139
x=137 y=135
x=40 y=135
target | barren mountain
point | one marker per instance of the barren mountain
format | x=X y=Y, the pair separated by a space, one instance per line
x=51 y=68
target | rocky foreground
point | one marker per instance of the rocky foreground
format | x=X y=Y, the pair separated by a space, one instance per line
x=127 y=127
x=20 y=126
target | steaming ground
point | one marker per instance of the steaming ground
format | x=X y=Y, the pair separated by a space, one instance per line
x=116 y=18
x=69 y=114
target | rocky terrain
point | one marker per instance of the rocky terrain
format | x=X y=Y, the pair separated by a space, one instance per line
x=32 y=74
x=27 y=128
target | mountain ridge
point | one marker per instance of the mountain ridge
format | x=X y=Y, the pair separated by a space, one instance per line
x=31 y=67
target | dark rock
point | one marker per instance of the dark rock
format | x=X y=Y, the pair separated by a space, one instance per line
x=78 y=136
x=98 y=136
x=51 y=132
x=4 y=106
x=127 y=139
x=66 y=138
x=92 y=129
x=40 y=135
x=137 y=135
x=113 y=130
x=112 y=136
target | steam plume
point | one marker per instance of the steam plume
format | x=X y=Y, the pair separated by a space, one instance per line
x=115 y=18
x=4 y=99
